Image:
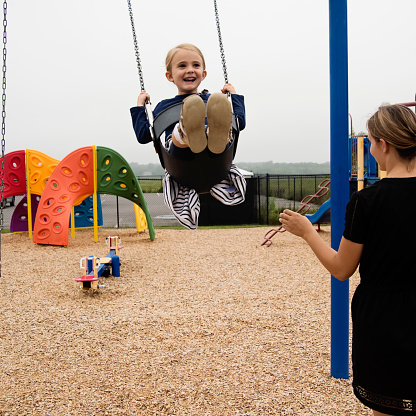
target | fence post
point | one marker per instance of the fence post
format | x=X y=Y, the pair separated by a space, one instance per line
x=294 y=193
x=118 y=212
x=278 y=187
x=301 y=188
x=258 y=199
x=267 y=198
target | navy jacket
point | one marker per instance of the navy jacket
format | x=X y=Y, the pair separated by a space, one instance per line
x=141 y=124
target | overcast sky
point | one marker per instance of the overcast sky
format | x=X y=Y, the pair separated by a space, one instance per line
x=72 y=74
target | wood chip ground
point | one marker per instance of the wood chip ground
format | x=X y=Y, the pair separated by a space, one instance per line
x=199 y=323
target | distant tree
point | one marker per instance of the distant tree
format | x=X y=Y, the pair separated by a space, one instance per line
x=305 y=168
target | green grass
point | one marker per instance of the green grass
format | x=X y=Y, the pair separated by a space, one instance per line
x=151 y=186
x=274 y=212
x=294 y=188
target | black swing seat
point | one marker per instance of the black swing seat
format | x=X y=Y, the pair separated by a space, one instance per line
x=204 y=170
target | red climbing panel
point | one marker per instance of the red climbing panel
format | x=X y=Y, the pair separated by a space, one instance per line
x=14 y=173
x=70 y=183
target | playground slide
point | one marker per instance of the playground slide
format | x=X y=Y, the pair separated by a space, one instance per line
x=323 y=215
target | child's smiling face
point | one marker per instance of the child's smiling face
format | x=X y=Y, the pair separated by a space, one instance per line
x=187 y=71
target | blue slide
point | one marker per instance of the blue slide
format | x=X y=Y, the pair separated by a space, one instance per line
x=323 y=215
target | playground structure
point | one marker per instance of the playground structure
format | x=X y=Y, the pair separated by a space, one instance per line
x=95 y=267
x=363 y=171
x=37 y=168
x=363 y=167
x=322 y=215
x=323 y=189
x=52 y=189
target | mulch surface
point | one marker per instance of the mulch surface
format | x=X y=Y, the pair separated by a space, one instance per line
x=199 y=323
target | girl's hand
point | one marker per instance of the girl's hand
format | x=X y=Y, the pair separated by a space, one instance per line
x=296 y=223
x=228 y=88
x=143 y=98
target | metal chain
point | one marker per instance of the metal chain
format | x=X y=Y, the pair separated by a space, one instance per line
x=3 y=118
x=224 y=65
x=136 y=47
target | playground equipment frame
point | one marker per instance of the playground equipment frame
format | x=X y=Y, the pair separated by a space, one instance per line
x=339 y=129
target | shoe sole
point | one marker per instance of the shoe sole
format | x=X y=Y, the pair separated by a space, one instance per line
x=193 y=114
x=219 y=115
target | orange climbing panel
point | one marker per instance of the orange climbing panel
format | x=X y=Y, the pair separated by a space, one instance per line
x=69 y=184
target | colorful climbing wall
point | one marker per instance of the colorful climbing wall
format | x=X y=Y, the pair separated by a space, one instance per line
x=19 y=221
x=39 y=168
x=69 y=184
x=73 y=180
x=84 y=213
x=14 y=173
x=115 y=177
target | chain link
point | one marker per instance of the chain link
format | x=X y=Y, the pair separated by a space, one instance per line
x=136 y=47
x=3 y=118
x=224 y=65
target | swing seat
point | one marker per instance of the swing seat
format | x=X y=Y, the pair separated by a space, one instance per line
x=204 y=170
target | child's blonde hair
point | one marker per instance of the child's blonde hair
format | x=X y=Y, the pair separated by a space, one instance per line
x=396 y=125
x=186 y=46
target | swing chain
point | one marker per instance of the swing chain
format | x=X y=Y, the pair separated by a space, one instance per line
x=224 y=65
x=3 y=118
x=3 y=111
x=136 y=47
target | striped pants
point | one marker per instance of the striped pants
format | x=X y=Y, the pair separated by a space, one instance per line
x=184 y=202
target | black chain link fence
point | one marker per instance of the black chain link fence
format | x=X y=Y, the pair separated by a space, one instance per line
x=266 y=196
x=278 y=192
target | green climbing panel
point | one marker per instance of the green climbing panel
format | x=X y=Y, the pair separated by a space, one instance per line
x=115 y=177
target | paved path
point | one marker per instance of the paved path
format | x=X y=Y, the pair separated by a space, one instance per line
x=160 y=213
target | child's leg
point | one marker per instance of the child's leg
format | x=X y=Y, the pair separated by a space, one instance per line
x=179 y=151
x=191 y=129
x=177 y=138
x=220 y=116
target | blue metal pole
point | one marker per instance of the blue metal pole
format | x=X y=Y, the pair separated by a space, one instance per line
x=338 y=54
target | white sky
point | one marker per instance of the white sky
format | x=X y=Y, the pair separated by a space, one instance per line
x=72 y=74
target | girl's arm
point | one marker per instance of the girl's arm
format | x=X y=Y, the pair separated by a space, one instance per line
x=143 y=98
x=141 y=124
x=228 y=88
x=238 y=105
x=342 y=263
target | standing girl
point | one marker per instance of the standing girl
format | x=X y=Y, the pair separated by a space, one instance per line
x=380 y=237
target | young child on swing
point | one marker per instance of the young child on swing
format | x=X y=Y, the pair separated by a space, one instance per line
x=185 y=67
x=379 y=235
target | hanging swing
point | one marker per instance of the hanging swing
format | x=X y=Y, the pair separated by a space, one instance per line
x=203 y=171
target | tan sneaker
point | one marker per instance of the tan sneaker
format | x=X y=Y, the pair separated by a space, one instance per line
x=220 y=116
x=192 y=123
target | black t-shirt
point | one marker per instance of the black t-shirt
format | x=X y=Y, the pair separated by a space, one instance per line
x=383 y=218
